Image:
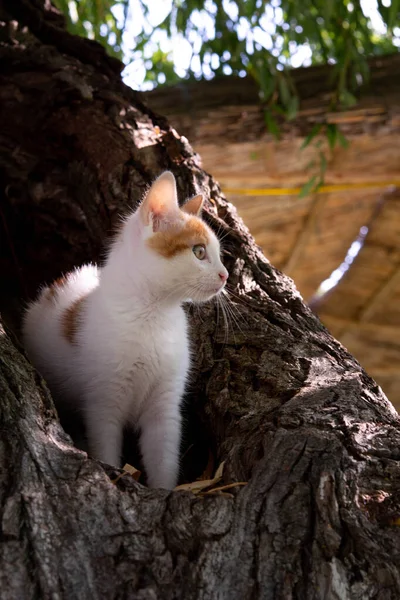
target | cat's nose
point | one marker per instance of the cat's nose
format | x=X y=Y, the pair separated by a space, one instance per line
x=223 y=276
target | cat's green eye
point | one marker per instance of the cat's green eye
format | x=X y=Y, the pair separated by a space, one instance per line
x=199 y=251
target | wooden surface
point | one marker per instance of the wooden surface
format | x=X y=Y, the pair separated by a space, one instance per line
x=309 y=237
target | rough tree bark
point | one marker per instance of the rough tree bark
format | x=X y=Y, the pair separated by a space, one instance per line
x=276 y=397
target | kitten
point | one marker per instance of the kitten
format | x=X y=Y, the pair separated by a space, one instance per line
x=113 y=342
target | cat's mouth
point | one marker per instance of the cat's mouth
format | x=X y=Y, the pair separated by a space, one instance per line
x=217 y=289
x=220 y=287
x=207 y=293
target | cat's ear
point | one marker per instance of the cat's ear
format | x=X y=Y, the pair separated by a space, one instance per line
x=194 y=205
x=161 y=202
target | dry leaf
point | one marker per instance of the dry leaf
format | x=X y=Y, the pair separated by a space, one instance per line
x=132 y=471
x=198 y=486
x=220 y=470
x=225 y=487
x=128 y=469
x=208 y=471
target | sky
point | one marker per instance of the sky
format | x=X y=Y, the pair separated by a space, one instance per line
x=181 y=48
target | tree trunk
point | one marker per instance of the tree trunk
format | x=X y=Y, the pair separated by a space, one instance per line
x=275 y=396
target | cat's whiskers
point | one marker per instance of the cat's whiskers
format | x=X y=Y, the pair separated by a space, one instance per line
x=180 y=289
x=196 y=291
x=231 y=322
x=230 y=314
x=220 y=239
x=227 y=295
x=220 y=226
x=225 y=317
x=218 y=305
x=236 y=314
x=240 y=299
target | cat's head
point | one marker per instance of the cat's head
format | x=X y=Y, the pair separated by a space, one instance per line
x=183 y=253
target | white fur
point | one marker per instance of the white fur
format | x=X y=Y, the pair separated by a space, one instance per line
x=130 y=358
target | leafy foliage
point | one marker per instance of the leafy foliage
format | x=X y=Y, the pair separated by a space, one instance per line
x=170 y=40
x=260 y=37
x=263 y=38
x=96 y=19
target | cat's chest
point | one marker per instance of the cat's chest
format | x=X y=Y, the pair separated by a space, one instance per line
x=153 y=342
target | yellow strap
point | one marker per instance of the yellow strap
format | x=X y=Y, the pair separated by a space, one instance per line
x=324 y=189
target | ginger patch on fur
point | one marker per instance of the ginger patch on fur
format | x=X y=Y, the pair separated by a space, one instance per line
x=70 y=320
x=55 y=287
x=172 y=242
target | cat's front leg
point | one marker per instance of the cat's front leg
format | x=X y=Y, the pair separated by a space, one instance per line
x=160 y=435
x=104 y=429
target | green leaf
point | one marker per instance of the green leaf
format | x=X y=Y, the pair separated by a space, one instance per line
x=327 y=9
x=322 y=165
x=308 y=187
x=272 y=125
x=292 y=108
x=342 y=140
x=284 y=92
x=278 y=110
x=347 y=99
x=393 y=13
x=331 y=132
x=319 y=184
x=314 y=131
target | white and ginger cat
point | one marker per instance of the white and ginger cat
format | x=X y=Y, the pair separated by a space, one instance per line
x=113 y=342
